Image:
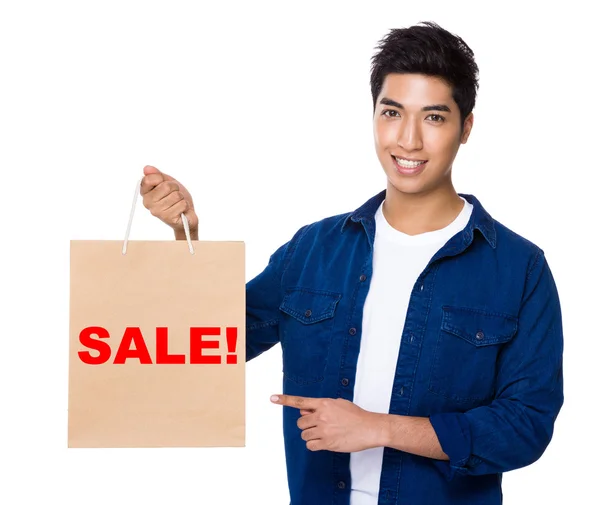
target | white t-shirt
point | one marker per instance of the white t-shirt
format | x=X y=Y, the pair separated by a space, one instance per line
x=398 y=260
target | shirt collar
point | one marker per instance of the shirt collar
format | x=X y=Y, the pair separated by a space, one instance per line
x=480 y=219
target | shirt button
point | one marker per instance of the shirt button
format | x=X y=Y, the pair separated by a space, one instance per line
x=308 y=313
x=401 y=391
x=345 y=382
x=352 y=331
x=341 y=484
x=363 y=278
x=422 y=286
x=479 y=335
x=412 y=338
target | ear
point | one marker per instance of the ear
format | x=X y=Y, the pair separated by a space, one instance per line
x=467 y=126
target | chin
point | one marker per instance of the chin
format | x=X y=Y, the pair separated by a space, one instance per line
x=403 y=184
x=407 y=189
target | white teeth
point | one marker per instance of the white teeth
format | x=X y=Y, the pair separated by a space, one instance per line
x=408 y=164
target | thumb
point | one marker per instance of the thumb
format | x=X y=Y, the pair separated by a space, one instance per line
x=149 y=169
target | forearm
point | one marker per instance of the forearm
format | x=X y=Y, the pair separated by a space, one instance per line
x=414 y=435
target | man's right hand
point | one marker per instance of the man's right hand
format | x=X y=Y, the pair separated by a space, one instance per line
x=167 y=199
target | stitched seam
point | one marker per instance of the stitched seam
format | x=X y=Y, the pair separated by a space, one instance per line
x=291 y=249
x=332 y=294
x=262 y=324
x=434 y=272
x=303 y=319
x=286 y=261
x=535 y=262
x=325 y=313
x=488 y=341
x=487 y=313
x=454 y=330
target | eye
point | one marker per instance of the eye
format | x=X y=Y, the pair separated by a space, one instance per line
x=392 y=113
x=438 y=118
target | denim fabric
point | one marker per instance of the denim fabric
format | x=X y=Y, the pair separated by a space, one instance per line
x=481 y=354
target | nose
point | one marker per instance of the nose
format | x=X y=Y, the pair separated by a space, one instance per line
x=409 y=135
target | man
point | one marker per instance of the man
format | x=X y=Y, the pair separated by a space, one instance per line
x=421 y=338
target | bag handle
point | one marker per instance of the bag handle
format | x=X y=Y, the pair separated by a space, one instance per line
x=183 y=218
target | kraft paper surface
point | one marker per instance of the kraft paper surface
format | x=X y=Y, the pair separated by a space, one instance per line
x=157 y=284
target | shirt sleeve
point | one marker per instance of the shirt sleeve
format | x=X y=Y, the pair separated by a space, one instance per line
x=515 y=429
x=263 y=298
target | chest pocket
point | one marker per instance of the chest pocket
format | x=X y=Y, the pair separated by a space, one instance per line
x=464 y=362
x=306 y=329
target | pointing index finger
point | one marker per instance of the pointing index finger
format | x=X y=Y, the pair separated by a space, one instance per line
x=298 y=402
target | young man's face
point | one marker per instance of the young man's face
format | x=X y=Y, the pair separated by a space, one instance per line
x=403 y=130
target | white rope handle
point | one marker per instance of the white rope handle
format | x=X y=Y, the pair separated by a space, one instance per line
x=186 y=225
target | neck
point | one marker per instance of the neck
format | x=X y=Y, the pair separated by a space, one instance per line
x=416 y=213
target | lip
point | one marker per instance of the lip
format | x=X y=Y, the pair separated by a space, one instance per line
x=409 y=171
x=407 y=159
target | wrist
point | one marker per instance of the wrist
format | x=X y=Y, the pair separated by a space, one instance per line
x=381 y=429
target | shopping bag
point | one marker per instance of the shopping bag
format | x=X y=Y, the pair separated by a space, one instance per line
x=157 y=343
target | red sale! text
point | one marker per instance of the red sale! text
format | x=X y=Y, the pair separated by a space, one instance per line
x=133 y=347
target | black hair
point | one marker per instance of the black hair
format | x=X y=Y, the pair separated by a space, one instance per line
x=429 y=50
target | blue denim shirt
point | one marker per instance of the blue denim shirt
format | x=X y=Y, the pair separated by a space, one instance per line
x=480 y=354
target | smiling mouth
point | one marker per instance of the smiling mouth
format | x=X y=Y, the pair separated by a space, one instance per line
x=407 y=164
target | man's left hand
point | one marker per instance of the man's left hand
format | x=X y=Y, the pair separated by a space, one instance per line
x=335 y=424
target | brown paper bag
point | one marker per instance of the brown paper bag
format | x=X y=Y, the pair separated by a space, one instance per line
x=157 y=343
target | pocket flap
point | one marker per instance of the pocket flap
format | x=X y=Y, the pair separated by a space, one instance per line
x=308 y=305
x=479 y=327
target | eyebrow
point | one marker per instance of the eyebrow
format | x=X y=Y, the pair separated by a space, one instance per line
x=393 y=103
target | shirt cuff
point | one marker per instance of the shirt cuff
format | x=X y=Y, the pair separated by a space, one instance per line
x=454 y=434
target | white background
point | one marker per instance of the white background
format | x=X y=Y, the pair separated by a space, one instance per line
x=263 y=110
